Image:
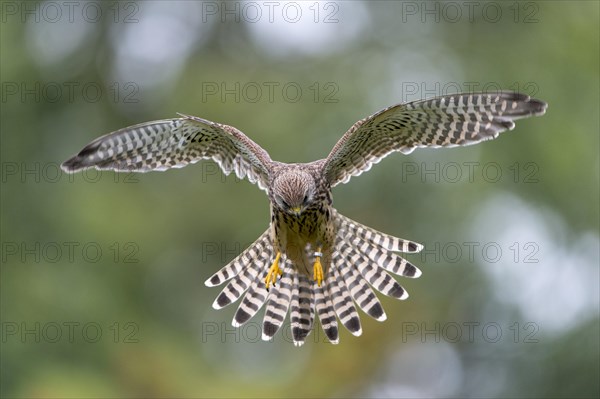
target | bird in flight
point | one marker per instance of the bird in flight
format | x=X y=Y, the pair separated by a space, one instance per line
x=311 y=259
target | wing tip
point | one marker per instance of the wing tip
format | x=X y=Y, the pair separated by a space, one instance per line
x=539 y=107
x=528 y=105
x=85 y=158
x=82 y=160
x=72 y=165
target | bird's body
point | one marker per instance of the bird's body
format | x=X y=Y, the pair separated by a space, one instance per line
x=299 y=234
x=311 y=260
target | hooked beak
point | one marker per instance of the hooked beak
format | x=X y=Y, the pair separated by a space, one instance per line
x=296 y=210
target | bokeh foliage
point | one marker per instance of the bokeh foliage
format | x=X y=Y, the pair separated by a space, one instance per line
x=180 y=226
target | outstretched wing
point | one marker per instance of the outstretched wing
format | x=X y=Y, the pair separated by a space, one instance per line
x=175 y=143
x=446 y=121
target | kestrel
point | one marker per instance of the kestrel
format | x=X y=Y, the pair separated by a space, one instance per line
x=311 y=259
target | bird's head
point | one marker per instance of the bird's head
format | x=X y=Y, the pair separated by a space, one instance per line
x=293 y=191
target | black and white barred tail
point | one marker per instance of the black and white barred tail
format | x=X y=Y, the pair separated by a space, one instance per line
x=361 y=261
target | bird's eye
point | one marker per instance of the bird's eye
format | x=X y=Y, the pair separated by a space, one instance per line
x=285 y=204
x=305 y=199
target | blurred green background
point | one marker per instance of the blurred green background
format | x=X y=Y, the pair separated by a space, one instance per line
x=102 y=274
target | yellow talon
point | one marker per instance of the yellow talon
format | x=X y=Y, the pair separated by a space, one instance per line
x=274 y=271
x=318 y=269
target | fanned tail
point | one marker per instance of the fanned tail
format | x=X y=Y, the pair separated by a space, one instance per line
x=361 y=260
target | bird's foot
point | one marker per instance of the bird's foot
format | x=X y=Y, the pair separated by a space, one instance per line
x=317 y=268
x=274 y=271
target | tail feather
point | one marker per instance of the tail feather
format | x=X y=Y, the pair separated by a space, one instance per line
x=233 y=268
x=377 y=246
x=342 y=302
x=279 y=303
x=391 y=262
x=362 y=234
x=240 y=283
x=326 y=311
x=376 y=276
x=254 y=299
x=303 y=309
x=362 y=294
